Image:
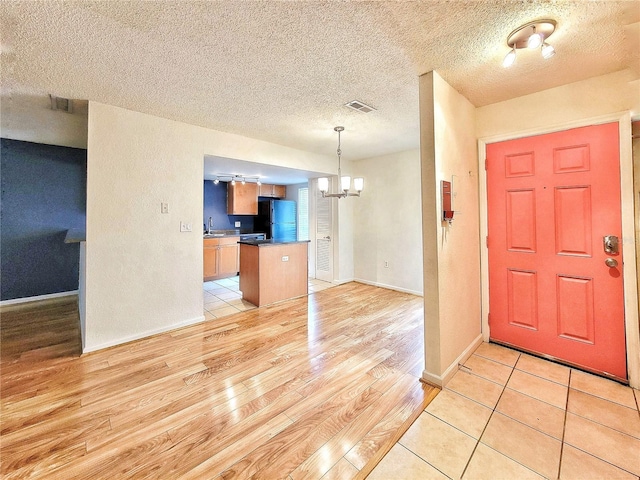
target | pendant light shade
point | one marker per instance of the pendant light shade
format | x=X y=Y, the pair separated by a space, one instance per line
x=323 y=184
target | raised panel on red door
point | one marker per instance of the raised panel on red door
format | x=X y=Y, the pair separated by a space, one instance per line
x=551 y=200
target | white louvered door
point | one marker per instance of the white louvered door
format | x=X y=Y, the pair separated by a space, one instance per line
x=324 y=236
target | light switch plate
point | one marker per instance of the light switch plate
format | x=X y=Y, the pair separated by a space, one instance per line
x=185 y=227
x=237 y=224
x=164 y=207
x=285 y=258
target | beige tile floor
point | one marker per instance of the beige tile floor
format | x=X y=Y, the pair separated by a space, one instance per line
x=223 y=297
x=508 y=415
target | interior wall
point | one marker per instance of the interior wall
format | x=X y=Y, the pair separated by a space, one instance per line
x=30 y=118
x=43 y=196
x=215 y=206
x=387 y=222
x=451 y=251
x=292 y=191
x=612 y=93
x=343 y=264
x=143 y=275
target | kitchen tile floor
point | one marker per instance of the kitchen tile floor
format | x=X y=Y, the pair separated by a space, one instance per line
x=223 y=297
x=506 y=414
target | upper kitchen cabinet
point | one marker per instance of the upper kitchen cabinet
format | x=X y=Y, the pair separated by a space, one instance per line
x=273 y=191
x=242 y=199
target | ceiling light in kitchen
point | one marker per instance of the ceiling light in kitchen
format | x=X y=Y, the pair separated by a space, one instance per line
x=234 y=177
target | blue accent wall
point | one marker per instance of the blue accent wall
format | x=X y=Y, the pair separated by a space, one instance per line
x=43 y=195
x=215 y=206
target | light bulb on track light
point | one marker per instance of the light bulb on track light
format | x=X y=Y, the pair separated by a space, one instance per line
x=548 y=51
x=510 y=58
x=535 y=40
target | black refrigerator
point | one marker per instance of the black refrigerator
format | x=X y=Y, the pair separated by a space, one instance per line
x=277 y=218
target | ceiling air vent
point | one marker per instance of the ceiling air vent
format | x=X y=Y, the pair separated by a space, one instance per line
x=359 y=106
x=61 y=104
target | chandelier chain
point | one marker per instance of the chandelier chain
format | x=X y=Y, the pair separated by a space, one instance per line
x=339 y=151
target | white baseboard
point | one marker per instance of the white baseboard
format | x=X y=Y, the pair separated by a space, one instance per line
x=442 y=380
x=390 y=287
x=37 y=298
x=138 y=336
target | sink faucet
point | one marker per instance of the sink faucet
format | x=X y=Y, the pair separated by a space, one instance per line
x=210 y=225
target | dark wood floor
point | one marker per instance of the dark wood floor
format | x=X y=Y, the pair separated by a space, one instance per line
x=312 y=386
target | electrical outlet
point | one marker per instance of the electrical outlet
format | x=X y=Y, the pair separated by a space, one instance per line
x=186 y=227
x=386 y=264
x=237 y=224
x=285 y=258
x=164 y=207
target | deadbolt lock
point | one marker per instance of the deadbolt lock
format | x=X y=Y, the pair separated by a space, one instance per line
x=611 y=244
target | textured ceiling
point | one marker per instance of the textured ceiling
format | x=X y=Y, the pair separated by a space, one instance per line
x=281 y=71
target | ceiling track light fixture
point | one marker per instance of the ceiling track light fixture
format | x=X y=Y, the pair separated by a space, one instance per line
x=345 y=182
x=233 y=178
x=531 y=35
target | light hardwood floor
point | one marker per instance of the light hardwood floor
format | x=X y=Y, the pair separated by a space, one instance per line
x=317 y=386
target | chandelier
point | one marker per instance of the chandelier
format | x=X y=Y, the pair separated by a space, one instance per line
x=345 y=182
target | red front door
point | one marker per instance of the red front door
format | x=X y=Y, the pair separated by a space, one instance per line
x=551 y=201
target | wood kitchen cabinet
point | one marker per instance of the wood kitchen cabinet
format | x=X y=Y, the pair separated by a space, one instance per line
x=228 y=259
x=242 y=199
x=279 y=191
x=210 y=258
x=273 y=191
x=221 y=257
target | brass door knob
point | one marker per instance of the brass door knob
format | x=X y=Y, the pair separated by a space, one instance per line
x=611 y=262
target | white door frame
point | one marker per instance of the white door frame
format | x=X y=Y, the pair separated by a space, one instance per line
x=632 y=325
x=313 y=185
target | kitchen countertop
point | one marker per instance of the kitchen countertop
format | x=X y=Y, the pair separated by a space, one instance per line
x=266 y=243
x=229 y=233
x=75 y=235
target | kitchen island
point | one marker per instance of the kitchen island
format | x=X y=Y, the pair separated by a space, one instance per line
x=273 y=270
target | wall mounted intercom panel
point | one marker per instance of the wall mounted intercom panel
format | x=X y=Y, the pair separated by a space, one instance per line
x=447 y=206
